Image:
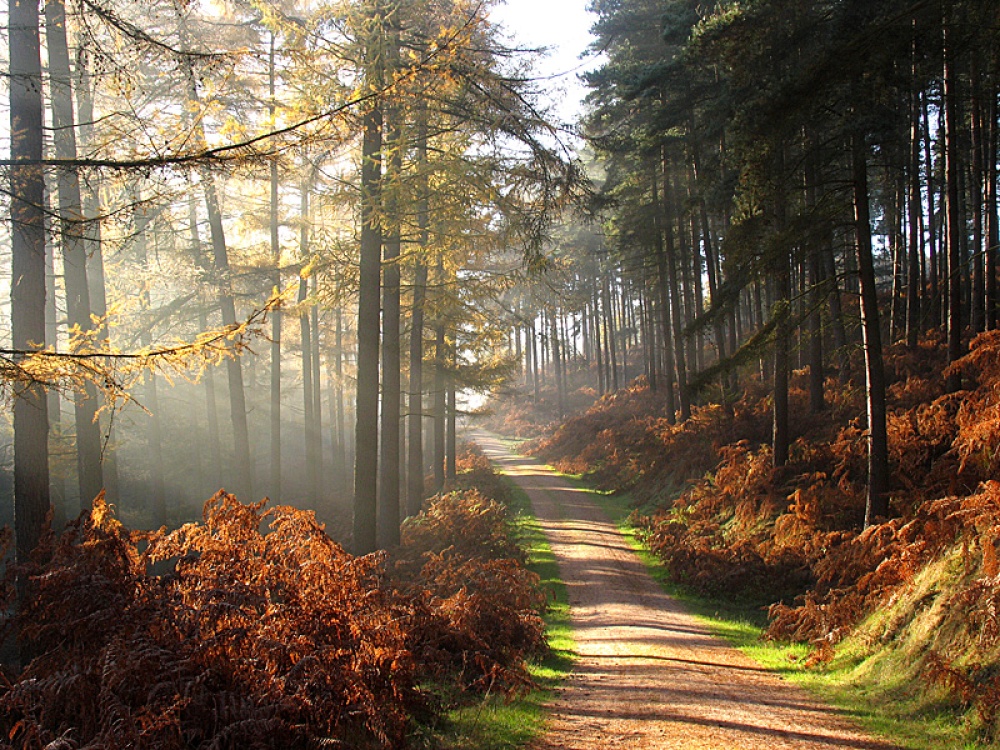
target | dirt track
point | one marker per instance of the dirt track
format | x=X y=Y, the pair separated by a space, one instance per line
x=648 y=675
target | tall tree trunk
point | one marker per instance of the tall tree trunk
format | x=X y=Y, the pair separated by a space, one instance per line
x=877 y=503
x=275 y=490
x=932 y=224
x=27 y=214
x=150 y=391
x=317 y=390
x=609 y=335
x=676 y=319
x=309 y=416
x=817 y=401
x=649 y=368
x=557 y=361
x=602 y=385
x=243 y=465
x=663 y=285
x=340 y=437
x=95 y=256
x=816 y=279
x=955 y=323
x=713 y=283
x=780 y=434
x=696 y=280
x=72 y=228
x=710 y=253
x=440 y=359
x=313 y=434
x=781 y=310
x=623 y=327
x=451 y=433
x=992 y=214
x=214 y=478
x=838 y=329
x=234 y=369
x=535 y=385
x=388 y=507
x=57 y=478
x=415 y=444
x=212 y=414
x=366 y=410
x=914 y=284
x=977 y=302
x=894 y=242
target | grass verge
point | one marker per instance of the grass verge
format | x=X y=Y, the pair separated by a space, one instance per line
x=870 y=683
x=497 y=723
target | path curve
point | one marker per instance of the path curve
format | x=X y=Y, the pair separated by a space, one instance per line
x=648 y=674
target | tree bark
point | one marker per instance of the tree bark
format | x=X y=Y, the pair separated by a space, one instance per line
x=913 y=285
x=451 y=434
x=609 y=335
x=275 y=490
x=557 y=361
x=535 y=385
x=440 y=354
x=234 y=368
x=877 y=502
x=780 y=437
x=317 y=389
x=602 y=387
x=150 y=391
x=307 y=332
x=309 y=417
x=340 y=436
x=57 y=480
x=955 y=323
x=814 y=262
x=72 y=227
x=676 y=319
x=663 y=285
x=366 y=410
x=95 y=258
x=415 y=444
x=817 y=401
x=27 y=214
x=992 y=214
x=389 y=484
x=977 y=301
x=932 y=225
x=213 y=478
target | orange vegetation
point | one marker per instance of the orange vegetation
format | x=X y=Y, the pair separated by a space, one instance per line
x=726 y=522
x=253 y=629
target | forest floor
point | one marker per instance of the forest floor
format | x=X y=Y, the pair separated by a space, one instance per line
x=648 y=674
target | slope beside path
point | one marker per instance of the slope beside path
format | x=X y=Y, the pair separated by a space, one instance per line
x=648 y=674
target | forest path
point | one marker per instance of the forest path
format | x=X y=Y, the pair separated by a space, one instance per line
x=648 y=675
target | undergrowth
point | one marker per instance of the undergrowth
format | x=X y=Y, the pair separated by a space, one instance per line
x=253 y=629
x=726 y=524
x=881 y=690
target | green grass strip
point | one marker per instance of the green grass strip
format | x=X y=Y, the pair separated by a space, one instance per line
x=499 y=723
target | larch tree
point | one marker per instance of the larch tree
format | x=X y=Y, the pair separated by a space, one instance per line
x=72 y=235
x=369 y=285
x=27 y=217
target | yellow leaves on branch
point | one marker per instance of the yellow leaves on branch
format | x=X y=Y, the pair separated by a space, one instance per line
x=90 y=361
